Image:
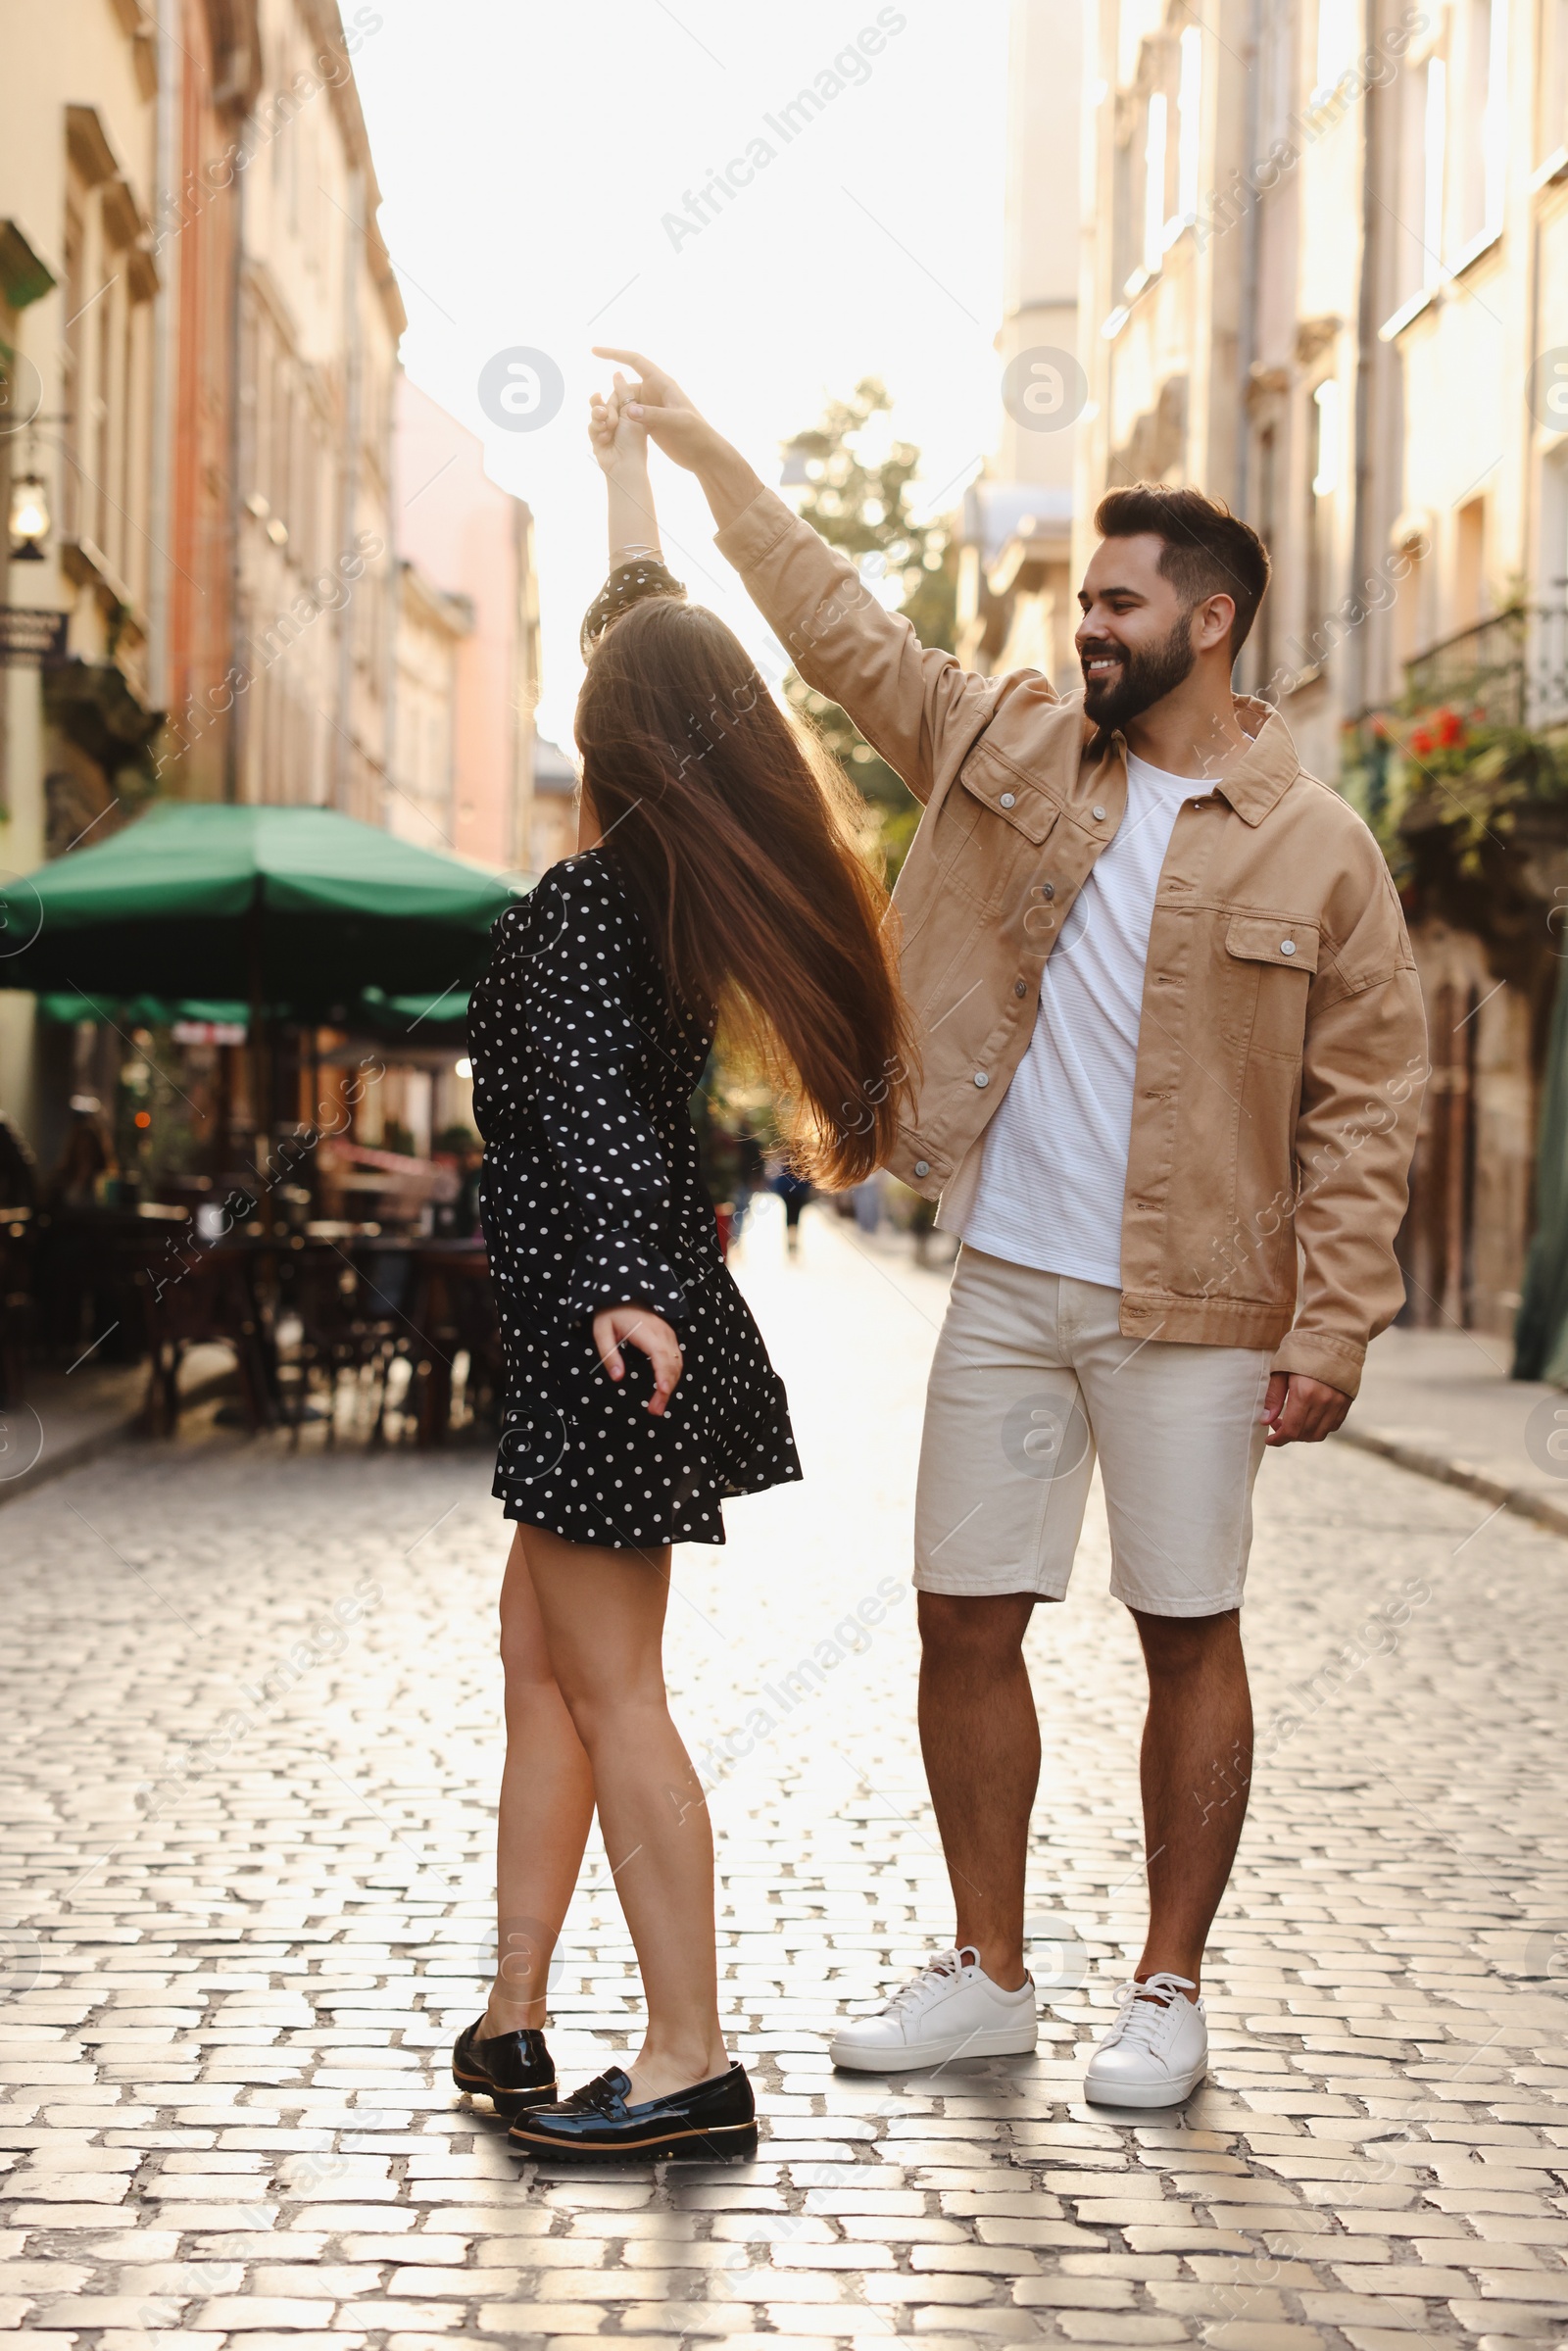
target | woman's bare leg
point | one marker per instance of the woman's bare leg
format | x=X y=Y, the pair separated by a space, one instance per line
x=603 y=1614
x=547 y=1808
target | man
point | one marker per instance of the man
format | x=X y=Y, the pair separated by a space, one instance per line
x=1172 y=1057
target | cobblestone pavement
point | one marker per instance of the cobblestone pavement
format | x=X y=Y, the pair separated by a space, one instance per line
x=253 y=1735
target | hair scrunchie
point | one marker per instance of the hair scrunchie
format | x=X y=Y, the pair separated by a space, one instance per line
x=628 y=584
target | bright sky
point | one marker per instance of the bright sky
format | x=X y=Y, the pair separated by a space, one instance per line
x=528 y=151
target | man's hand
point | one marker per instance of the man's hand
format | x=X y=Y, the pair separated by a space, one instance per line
x=639 y=1327
x=656 y=402
x=1301 y=1412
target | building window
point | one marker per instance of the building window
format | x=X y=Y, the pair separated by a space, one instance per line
x=1418 y=213
x=1338 y=26
x=1326 y=450
x=1495 y=128
x=1277 y=67
x=1267 y=509
x=102 y=411
x=1548 y=682
x=1154 y=183
x=1470 y=564
x=74 y=373
x=1480 y=28
x=1410 y=629
x=130 y=428
x=1552 y=129
x=1189 y=127
x=1554 y=527
x=1416 y=221
x=1124 y=252
x=1435 y=130
x=1327 y=438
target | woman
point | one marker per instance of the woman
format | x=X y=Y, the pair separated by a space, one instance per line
x=717 y=881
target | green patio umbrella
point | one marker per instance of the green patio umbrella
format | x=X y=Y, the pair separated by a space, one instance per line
x=141 y=1011
x=432 y=1019
x=439 y=1016
x=290 y=906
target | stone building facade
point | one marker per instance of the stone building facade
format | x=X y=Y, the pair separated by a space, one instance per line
x=1325 y=270
x=318 y=323
x=85 y=325
x=214 y=586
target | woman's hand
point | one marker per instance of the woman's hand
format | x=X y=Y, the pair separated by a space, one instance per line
x=640 y=1326
x=621 y=445
x=618 y=441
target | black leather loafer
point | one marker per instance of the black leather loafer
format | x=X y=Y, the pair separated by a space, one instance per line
x=512 y=2070
x=717 y=2118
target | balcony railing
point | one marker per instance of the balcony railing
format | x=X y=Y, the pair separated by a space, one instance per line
x=1514 y=666
x=1484 y=664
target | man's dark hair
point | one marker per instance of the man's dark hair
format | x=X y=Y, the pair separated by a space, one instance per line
x=1209 y=551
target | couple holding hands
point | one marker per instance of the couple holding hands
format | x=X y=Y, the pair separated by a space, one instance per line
x=1142 y=1015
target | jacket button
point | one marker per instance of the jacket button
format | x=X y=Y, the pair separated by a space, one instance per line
x=1287 y=946
x=1020 y=986
x=1008 y=800
x=1098 y=814
x=923 y=1167
x=981 y=1078
x=1047 y=888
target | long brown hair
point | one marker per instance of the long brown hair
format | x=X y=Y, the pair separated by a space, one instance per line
x=736 y=839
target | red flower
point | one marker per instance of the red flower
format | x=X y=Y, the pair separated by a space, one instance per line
x=1450 y=728
x=1421 y=742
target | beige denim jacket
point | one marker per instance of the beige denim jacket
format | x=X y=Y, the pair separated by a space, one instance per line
x=1281 y=1050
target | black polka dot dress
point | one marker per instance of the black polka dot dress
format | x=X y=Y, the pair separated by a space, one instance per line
x=592 y=1197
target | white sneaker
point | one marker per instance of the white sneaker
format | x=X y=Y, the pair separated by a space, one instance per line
x=1158 y=2049
x=951 y=2009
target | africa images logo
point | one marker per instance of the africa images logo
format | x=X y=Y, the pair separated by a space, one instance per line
x=521 y=389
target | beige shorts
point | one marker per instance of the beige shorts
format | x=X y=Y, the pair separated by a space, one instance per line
x=1031 y=1380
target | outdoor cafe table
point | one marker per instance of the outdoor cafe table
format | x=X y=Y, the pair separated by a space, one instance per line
x=415 y=1297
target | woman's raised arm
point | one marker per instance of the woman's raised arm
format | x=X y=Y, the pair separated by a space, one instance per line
x=621 y=447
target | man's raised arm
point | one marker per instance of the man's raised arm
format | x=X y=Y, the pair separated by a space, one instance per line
x=915 y=706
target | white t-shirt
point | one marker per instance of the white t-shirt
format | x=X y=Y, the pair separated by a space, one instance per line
x=1055 y=1164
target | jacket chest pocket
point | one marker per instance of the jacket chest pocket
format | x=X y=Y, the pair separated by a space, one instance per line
x=987 y=833
x=1006 y=822
x=1271 y=961
x=1021 y=806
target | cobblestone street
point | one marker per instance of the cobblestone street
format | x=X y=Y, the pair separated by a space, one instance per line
x=253 y=1737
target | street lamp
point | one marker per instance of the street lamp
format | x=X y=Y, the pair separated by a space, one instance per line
x=29 y=519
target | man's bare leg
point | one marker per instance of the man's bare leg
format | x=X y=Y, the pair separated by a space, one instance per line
x=1195 y=1766
x=980 y=1737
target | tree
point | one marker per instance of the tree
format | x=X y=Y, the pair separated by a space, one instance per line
x=856 y=495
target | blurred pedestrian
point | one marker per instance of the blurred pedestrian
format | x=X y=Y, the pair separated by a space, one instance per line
x=794 y=1191
x=751 y=1170
x=76 y=1180
x=867 y=1199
